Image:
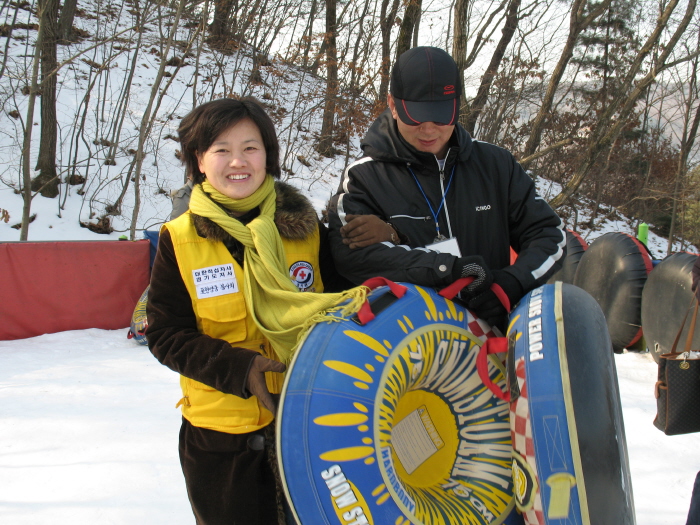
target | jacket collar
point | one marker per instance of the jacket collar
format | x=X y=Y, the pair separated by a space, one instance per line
x=383 y=142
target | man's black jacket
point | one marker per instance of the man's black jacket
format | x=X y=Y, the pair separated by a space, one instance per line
x=491 y=203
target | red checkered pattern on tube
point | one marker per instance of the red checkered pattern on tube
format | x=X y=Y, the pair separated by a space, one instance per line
x=521 y=434
x=480 y=328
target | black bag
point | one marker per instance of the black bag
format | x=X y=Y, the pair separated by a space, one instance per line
x=678 y=388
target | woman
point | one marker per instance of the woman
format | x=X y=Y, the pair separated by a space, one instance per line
x=224 y=307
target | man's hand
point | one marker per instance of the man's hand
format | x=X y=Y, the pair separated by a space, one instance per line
x=487 y=306
x=365 y=230
x=473 y=266
x=255 y=381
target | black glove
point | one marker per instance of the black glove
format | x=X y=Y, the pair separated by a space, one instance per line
x=255 y=380
x=487 y=305
x=473 y=266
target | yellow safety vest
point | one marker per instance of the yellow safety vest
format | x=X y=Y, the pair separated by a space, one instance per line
x=214 y=281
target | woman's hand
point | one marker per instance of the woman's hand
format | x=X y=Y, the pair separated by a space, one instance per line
x=255 y=381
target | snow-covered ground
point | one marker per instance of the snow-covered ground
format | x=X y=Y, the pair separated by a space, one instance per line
x=88 y=432
x=88 y=435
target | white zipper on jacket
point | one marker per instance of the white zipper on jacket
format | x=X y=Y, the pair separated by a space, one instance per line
x=441 y=167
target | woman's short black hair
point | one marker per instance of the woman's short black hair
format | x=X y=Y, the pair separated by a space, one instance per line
x=200 y=128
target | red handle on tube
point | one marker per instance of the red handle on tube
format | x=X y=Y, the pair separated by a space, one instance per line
x=365 y=314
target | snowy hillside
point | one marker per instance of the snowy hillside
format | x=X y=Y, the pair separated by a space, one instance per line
x=100 y=110
x=103 y=93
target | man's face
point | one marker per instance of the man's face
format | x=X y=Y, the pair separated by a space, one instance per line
x=427 y=137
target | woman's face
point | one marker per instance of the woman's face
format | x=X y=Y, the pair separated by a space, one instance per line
x=235 y=162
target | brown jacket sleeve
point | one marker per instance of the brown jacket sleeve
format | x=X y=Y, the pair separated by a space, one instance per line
x=172 y=332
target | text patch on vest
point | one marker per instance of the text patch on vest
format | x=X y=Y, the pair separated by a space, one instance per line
x=213 y=281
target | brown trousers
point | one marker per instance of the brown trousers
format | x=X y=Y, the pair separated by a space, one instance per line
x=231 y=478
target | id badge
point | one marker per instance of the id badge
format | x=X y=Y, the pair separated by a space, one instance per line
x=447 y=246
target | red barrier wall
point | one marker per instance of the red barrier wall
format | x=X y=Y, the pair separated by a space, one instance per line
x=48 y=287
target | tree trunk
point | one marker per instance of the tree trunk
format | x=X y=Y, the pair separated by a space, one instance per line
x=27 y=142
x=416 y=30
x=8 y=40
x=46 y=182
x=410 y=21
x=220 y=25
x=459 y=44
x=598 y=186
x=308 y=37
x=469 y=120
x=687 y=141
x=325 y=143
x=646 y=152
x=385 y=24
x=65 y=22
x=313 y=68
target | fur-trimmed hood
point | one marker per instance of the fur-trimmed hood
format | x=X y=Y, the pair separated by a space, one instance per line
x=295 y=217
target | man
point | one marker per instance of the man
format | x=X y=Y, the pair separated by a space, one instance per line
x=445 y=206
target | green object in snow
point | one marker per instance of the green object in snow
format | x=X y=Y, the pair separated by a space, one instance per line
x=643 y=233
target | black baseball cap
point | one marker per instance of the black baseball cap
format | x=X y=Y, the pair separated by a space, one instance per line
x=425 y=85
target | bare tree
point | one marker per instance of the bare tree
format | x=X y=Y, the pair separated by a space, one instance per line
x=583 y=13
x=27 y=141
x=411 y=19
x=461 y=34
x=308 y=35
x=608 y=128
x=386 y=22
x=469 y=119
x=147 y=120
x=483 y=29
x=220 y=26
x=688 y=135
x=65 y=22
x=47 y=181
x=8 y=38
x=325 y=143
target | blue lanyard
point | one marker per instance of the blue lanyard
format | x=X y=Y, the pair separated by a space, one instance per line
x=442 y=202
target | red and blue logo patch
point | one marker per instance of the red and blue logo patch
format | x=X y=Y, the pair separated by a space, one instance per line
x=302 y=275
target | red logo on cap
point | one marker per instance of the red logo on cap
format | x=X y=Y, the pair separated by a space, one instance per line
x=449 y=90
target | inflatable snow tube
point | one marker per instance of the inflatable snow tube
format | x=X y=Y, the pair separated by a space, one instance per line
x=614 y=270
x=575 y=247
x=569 y=453
x=139 y=320
x=666 y=297
x=389 y=423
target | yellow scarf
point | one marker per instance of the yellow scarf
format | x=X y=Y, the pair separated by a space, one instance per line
x=279 y=309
